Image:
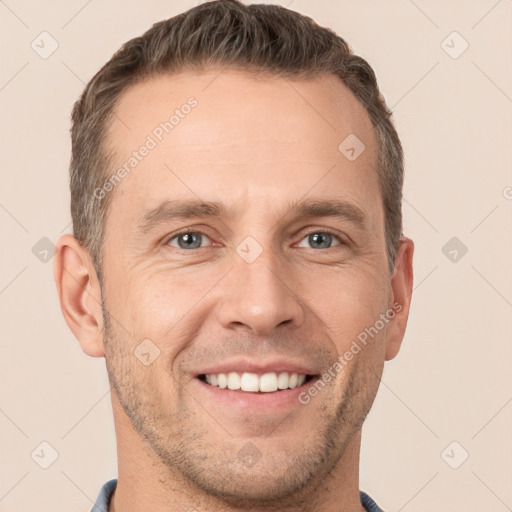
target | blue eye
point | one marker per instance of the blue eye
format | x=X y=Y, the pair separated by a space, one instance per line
x=321 y=239
x=188 y=240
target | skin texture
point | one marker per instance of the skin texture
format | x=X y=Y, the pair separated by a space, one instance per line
x=256 y=145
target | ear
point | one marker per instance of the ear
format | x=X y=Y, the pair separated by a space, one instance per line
x=79 y=294
x=400 y=297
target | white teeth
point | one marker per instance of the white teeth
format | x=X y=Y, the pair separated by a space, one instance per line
x=233 y=380
x=268 y=382
x=251 y=382
x=223 y=381
x=282 y=380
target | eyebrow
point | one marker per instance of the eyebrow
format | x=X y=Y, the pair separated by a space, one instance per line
x=192 y=208
x=180 y=209
x=342 y=210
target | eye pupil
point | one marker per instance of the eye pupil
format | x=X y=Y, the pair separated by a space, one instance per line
x=190 y=240
x=319 y=238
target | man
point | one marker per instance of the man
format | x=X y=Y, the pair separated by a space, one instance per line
x=238 y=260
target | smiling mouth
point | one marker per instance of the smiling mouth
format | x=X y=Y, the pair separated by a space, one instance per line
x=247 y=382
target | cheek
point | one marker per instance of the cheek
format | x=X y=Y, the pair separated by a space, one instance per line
x=347 y=301
x=160 y=304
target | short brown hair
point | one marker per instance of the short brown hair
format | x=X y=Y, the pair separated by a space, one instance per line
x=224 y=33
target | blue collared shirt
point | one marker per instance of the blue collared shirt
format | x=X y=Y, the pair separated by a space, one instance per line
x=107 y=490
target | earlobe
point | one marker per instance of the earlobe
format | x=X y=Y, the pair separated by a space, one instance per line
x=79 y=294
x=401 y=292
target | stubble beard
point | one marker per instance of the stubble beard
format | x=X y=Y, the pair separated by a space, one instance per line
x=192 y=458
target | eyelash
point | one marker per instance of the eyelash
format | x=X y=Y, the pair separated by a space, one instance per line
x=199 y=232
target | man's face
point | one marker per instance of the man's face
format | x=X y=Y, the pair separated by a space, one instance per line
x=262 y=288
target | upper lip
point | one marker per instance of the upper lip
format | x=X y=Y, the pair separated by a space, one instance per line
x=245 y=365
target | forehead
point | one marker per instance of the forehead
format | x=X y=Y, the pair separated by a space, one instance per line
x=231 y=137
x=242 y=105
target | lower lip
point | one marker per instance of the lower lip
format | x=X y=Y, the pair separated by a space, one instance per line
x=274 y=402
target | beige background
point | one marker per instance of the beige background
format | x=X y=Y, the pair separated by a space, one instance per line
x=451 y=381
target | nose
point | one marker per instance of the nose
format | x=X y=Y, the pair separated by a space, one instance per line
x=260 y=296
